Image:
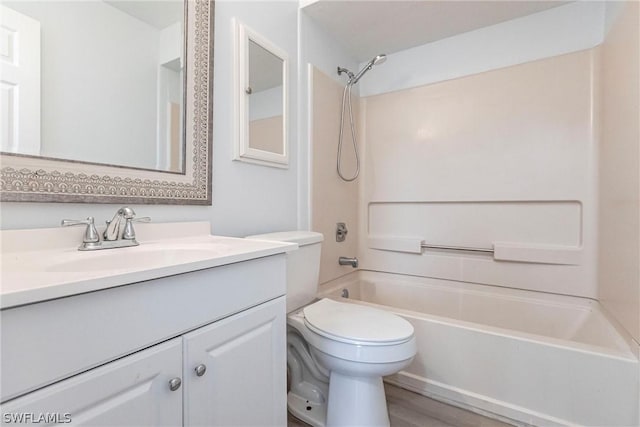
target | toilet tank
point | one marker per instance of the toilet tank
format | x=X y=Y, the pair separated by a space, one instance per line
x=303 y=265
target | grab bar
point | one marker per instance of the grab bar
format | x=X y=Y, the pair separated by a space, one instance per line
x=501 y=251
x=455 y=248
x=416 y=245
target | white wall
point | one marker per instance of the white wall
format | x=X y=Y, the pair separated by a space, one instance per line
x=564 y=29
x=247 y=198
x=251 y=198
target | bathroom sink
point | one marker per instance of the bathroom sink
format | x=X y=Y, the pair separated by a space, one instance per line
x=133 y=258
x=43 y=264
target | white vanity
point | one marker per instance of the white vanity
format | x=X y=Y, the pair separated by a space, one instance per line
x=185 y=329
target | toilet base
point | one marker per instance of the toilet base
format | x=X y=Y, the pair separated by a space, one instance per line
x=356 y=401
x=310 y=413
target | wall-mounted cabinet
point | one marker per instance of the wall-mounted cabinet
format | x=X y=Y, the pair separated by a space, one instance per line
x=261 y=92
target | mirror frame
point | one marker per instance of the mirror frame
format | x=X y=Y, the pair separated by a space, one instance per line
x=242 y=150
x=40 y=179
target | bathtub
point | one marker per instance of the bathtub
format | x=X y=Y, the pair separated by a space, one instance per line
x=520 y=356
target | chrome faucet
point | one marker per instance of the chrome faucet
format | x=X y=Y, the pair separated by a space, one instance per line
x=118 y=234
x=121 y=226
x=353 y=262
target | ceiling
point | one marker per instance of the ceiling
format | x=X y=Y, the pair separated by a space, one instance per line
x=159 y=14
x=367 y=28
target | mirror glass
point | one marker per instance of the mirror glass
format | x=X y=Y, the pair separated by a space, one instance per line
x=265 y=100
x=96 y=81
x=261 y=100
x=102 y=120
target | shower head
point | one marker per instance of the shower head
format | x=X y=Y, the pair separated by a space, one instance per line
x=378 y=59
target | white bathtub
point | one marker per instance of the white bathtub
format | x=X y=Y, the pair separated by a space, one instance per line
x=535 y=358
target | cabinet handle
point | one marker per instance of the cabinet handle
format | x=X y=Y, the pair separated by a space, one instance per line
x=174 y=384
x=200 y=370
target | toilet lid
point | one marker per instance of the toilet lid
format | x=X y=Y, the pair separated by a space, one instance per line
x=354 y=323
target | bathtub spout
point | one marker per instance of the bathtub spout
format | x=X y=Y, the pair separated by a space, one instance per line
x=353 y=262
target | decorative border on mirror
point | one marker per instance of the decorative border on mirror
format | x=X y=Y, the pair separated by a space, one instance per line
x=33 y=179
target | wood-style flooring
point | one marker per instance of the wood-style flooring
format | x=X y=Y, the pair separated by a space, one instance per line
x=408 y=409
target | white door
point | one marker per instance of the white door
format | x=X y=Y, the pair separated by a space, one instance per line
x=133 y=391
x=19 y=83
x=244 y=383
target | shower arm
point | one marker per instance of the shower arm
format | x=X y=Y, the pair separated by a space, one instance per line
x=347 y=72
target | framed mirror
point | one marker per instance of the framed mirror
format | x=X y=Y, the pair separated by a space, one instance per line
x=261 y=93
x=106 y=101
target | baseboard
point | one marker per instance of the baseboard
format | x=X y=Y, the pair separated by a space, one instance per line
x=477 y=403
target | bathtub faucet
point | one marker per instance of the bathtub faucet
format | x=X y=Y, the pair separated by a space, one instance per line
x=353 y=262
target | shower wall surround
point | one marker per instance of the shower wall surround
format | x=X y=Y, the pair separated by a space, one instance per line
x=619 y=179
x=335 y=200
x=469 y=144
x=502 y=156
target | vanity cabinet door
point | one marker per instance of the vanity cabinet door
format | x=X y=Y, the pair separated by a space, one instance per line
x=235 y=370
x=132 y=391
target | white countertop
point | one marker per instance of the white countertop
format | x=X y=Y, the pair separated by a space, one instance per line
x=43 y=264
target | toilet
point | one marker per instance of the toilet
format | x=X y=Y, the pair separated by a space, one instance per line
x=337 y=353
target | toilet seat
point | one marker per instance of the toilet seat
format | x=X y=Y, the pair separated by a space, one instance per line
x=348 y=349
x=356 y=324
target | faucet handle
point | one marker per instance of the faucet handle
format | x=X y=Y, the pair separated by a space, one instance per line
x=90 y=234
x=129 y=233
